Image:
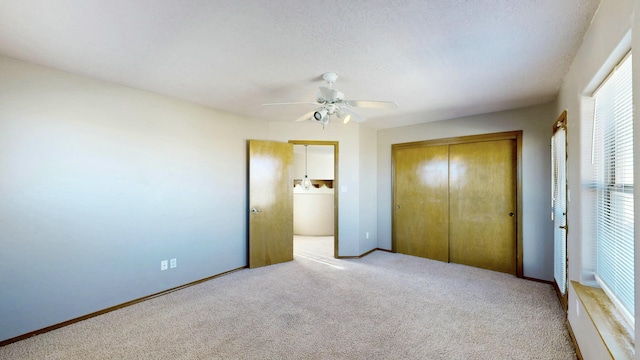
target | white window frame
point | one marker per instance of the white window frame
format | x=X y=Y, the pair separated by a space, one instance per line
x=612 y=157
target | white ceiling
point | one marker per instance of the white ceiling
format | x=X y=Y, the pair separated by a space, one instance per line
x=438 y=59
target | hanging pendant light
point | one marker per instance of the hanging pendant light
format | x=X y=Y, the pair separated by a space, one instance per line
x=306 y=182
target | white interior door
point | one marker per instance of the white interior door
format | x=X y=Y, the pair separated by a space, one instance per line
x=559 y=202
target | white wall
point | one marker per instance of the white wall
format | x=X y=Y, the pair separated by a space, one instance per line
x=313 y=212
x=319 y=166
x=602 y=47
x=535 y=124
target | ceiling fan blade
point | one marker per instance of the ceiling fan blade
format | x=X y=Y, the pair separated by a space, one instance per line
x=372 y=104
x=292 y=103
x=306 y=116
x=329 y=94
x=354 y=115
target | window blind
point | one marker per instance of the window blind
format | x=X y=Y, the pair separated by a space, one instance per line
x=613 y=165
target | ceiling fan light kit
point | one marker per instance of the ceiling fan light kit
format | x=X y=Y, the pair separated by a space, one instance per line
x=332 y=102
x=318 y=115
x=344 y=117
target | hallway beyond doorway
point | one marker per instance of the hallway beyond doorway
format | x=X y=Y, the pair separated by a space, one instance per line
x=321 y=246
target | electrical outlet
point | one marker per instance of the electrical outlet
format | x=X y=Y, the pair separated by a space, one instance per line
x=367 y=235
x=164 y=265
x=173 y=263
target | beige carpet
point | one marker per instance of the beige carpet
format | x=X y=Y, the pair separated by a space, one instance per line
x=383 y=306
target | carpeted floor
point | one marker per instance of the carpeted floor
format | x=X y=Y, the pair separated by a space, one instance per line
x=383 y=306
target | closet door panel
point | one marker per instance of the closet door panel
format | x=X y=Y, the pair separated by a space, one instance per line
x=482 y=213
x=420 y=218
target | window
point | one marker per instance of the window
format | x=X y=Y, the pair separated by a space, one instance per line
x=613 y=165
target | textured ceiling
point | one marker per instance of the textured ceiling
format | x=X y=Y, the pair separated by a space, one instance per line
x=438 y=59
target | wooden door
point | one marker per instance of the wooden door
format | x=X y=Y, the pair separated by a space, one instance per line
x=270 y=203
x=482 y=209
x=421 y=201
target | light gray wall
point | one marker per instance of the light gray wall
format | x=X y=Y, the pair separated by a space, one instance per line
x=368 y=190
x=99 y=183
x=608 y=38
x=535 y=124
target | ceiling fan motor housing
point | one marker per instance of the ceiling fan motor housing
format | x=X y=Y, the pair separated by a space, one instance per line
x=336 y=96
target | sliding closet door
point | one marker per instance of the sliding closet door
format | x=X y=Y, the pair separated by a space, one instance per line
x=421 y=201
x=483 y=219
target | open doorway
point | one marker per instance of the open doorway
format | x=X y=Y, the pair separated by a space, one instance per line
x=315 y=204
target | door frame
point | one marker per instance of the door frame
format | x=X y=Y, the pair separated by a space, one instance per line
x=508 y=135
x=336 y=184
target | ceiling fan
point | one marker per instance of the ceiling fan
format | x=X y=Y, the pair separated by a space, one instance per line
x=332 y=102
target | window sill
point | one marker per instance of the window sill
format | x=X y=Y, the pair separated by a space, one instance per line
x=616 y=335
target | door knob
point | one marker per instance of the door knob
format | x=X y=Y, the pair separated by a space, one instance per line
x=254 y=210
x=562 y=226
x=511 y=214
